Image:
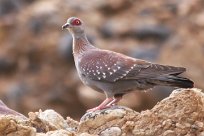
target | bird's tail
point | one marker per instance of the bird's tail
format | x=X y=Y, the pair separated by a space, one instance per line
x=173 y=80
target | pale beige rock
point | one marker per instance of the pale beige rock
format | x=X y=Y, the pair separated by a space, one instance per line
x=59 y=132
x=183 y=106
x=49 y=120
x=38 y=42
x=201 y=134
x=13 y=123
x=182 y=113
x=53 y=118
x=86 y=134
x=15 y=126
x=169 y=133
x=112 y=131
x=96 y=122
x=73 y=124
x=199 y=124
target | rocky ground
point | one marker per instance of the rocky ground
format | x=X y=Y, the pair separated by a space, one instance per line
x=36 y=64
x=180 y=114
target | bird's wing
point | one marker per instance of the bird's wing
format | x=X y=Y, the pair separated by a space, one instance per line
x=110 y=66
x=153 y=71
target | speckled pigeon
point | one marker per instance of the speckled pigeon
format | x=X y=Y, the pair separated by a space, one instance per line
x=116 y=74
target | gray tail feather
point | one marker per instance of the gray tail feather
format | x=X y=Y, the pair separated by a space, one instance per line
x=173 y=80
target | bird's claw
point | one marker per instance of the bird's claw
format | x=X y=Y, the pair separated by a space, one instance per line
x=98 y=108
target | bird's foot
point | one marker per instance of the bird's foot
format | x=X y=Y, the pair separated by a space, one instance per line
x=107 y=103
x=98 y=108
x=114 y=101
x=103 y=105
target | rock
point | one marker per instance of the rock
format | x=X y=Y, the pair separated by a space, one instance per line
x=59 y=132
x=72 y=124
x=12 y=126
x=157 y=32
x=98 y=122
x=112 y=131
x=115 y=28
x=48 y=120
x=199 y=124
x=86 y=134
x=36 y=25
x=7 y=65
x=201 y=134
x=8 y=6
x=30 y=35
x=181 y=111
x=13 y=123
x=169 y=133
x=112 y=7
x=184 y=8
x=65 y=48
x=119 y=28
x=199 y=19
x=146 y=53
x=174 y=111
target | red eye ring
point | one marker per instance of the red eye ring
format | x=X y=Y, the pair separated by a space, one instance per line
x=76 y=22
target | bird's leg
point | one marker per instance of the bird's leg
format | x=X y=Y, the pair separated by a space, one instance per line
x=115 y=100
x=103 y=105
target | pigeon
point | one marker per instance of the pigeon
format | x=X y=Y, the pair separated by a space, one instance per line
x=115 y=74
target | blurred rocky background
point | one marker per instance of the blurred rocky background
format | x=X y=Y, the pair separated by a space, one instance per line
x=36 y=64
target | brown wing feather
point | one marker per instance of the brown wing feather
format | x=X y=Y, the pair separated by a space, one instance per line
x=107 y=66
x=154 y=70
x=110 y=66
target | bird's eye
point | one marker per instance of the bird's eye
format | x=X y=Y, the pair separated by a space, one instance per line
x=76 y=22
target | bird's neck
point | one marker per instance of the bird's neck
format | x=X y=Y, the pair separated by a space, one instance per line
x=80 y=44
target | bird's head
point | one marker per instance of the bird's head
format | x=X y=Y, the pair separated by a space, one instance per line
x=74 y=25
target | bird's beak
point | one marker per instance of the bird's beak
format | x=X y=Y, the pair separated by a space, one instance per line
x=65 y=26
